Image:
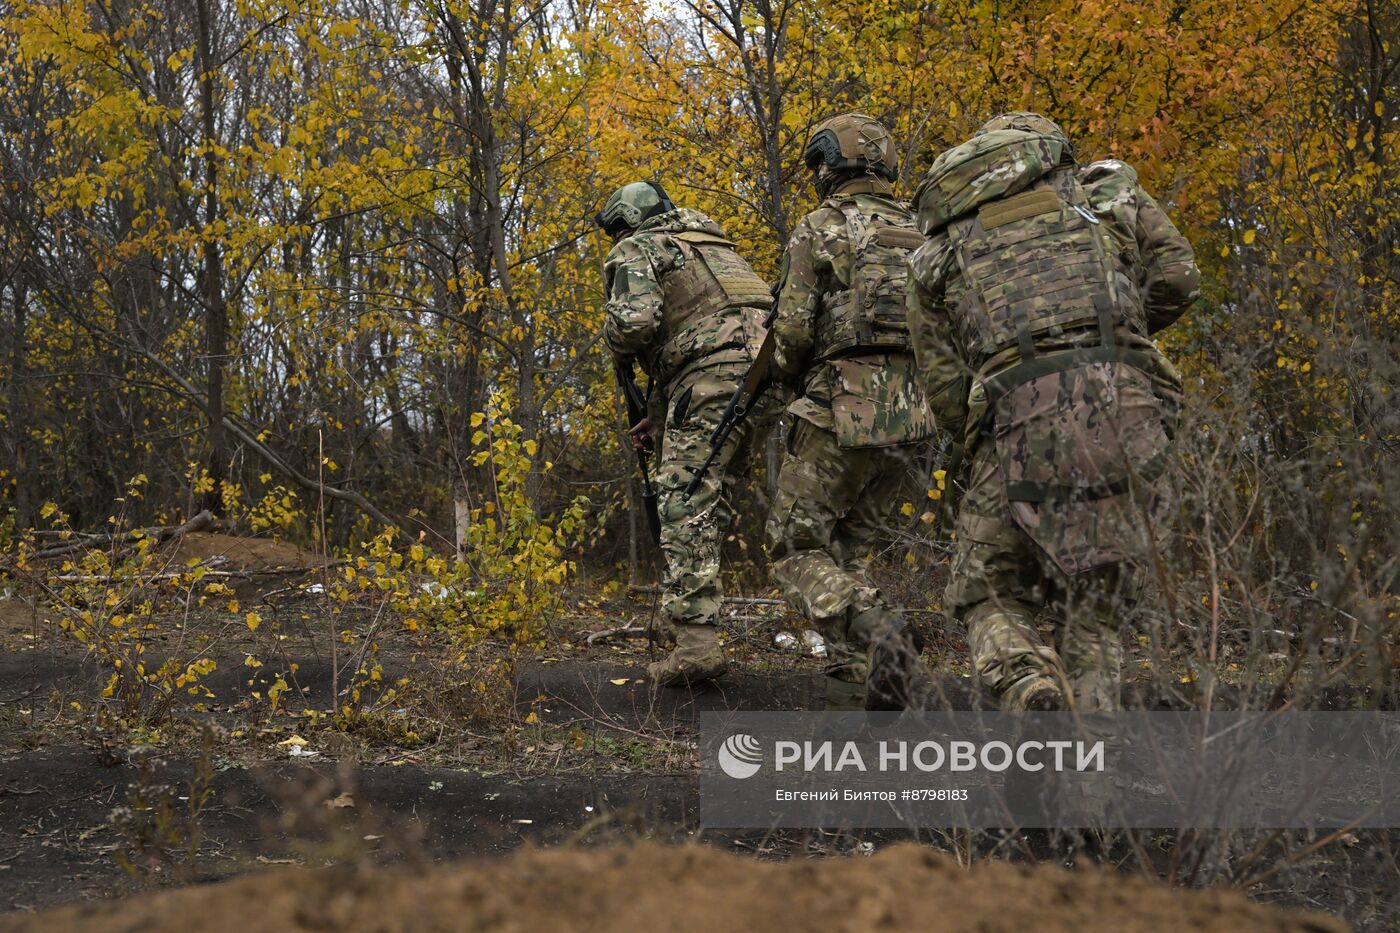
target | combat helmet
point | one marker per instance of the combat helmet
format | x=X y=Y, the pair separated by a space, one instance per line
x=852 y=143
x=1028 y=122
x=630 y=205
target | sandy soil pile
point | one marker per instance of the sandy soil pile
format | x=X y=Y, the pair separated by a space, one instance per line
x=17 y=617
x=253 y=556
x=649 y=887
x=244 y=553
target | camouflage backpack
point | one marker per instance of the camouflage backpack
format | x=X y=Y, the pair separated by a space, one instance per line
x=1077 y=423
x=868 y=315
x=987 y=167
x=1037 y=261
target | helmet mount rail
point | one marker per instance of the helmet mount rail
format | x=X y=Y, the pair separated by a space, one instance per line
x=630 y=206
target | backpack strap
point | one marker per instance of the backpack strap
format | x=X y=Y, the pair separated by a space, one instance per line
x=1002 y=382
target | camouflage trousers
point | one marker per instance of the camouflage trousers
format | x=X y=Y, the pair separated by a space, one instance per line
x=1001 y=579
x=830 y=512
x=692 y=531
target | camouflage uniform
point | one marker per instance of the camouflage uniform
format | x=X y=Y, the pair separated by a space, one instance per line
x=1030 y=311
x=683 y=303
x=860 y=417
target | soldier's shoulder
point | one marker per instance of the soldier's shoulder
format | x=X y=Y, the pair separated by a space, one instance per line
x=689 y=220
x=1111 y=186
x=891 y=210
x=1109 y=176
x=628 y=248
x=827 y=216
x=887 y=208
x=1105 y=168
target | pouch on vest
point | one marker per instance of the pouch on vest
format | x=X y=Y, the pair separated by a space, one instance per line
x=868 y=315
x=878 y=401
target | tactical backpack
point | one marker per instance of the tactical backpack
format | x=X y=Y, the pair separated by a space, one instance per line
x=868 y=316
x=1078 y=420
x=1038 y=262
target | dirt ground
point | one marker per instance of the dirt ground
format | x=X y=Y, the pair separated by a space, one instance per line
x=19 y=618
x=688 y=888
x=583 y=759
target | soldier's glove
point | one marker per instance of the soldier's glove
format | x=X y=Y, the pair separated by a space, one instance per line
x=643 y=435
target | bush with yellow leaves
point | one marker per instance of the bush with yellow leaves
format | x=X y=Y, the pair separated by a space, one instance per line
x=116 y=601
x=503 y=584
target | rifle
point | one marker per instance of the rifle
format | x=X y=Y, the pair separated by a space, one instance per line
x=745 y=396
x=636 y=413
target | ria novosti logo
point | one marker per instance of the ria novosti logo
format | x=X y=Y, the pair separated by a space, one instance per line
x=740 y=756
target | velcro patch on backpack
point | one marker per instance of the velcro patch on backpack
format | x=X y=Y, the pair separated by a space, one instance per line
x=1027 y=204
x=701 y=238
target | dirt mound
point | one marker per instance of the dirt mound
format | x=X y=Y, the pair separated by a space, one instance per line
x=690 y=888
x=18 y=617
x=249 y=554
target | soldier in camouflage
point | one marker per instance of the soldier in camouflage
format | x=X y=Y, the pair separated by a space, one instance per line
x=860 y=417
x=1030 y=311
x=685 y=305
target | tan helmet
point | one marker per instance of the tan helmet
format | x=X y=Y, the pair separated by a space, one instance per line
x=852 y=142
x=1028 y=122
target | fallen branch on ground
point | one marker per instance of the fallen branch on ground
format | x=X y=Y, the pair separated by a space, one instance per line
x=159 y=533
x=208 y=575
x=651 y=589
x=623 y=630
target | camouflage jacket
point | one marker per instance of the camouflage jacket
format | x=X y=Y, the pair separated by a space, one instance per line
x=868 y=398
x=1154 y=259
x=680 y=299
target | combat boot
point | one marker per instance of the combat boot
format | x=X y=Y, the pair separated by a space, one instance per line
x=844 y=696
x=897 y=677
x=696 y=658
x=1034 y=694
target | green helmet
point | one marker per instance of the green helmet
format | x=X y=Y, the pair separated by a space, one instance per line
x=851 y=143
x=629 y=205
x=1027 y=122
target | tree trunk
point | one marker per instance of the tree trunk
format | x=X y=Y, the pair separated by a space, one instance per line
x=19 y=428
x=212 y=269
